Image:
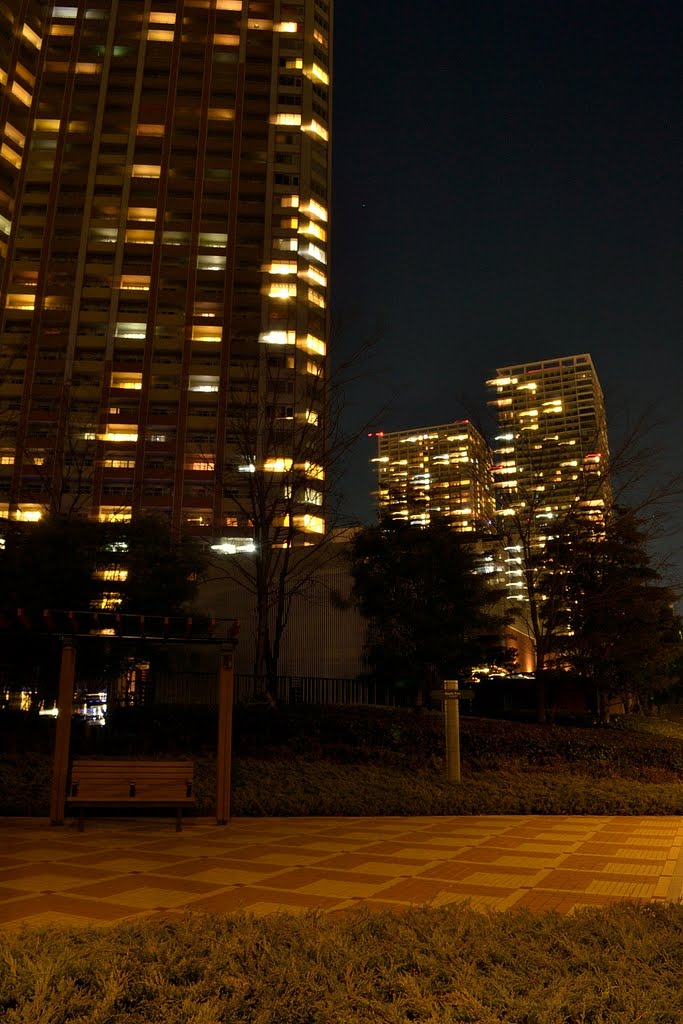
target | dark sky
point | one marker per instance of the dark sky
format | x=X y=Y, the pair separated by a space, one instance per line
x=507 y=187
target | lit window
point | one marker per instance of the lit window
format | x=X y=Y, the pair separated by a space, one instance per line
x=203 y=383
x=315 y=128
x=18 y=301
x=313 y=471
x=316 y=73
x=282 y=269
x=277 y=465
x=315 y=230
x=129 y=381
x=212 y=334
x=10 y=155
x=278 y=337
x=314 y=210
x=162 y=17
x=290 y=119
x=313 y=252
x=154 y=130
x=311 y=274
x=285 y=26
x=146 y=170
x=312 y=417
x=134 y=283
x=312 y=524
x=158 y=35
x=221 y=114
x=316 y=299
x=281 y=291
x=311 y=344
x=208 y=262
x=226 y=40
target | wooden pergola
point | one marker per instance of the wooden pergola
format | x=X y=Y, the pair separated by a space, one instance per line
x=69 y=625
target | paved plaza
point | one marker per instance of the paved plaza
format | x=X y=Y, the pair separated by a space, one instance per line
x=120 y=870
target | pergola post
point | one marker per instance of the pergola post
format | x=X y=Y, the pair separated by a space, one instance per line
x=226 y=696
x=60 y=767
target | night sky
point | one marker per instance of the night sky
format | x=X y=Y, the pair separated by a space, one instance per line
x=507 y=187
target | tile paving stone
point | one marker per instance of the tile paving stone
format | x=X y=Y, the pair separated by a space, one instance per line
x=122 y=870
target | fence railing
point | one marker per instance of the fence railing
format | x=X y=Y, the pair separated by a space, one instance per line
x=201 y=688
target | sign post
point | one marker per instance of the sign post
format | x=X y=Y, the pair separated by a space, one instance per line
x=65 y=699
x=226 y=696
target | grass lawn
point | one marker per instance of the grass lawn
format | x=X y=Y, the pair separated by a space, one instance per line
x=341 y=762
x=617 y=965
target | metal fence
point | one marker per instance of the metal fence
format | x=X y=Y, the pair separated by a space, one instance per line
x=201 y=688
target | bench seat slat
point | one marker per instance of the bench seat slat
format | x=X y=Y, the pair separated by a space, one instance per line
x=108 y=784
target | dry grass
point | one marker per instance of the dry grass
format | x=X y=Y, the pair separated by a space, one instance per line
x=617 y=965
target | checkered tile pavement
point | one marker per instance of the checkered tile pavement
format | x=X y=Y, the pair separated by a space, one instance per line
x=122 y=870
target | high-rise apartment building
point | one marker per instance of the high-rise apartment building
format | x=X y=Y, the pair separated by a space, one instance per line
x=551 y=451
x=551 y=465
x=164 y=196
x=436 y=471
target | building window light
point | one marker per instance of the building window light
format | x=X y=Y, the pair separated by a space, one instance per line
x=281 y=291
x=134 y=283
x=226 y=40
x=286 y=26
x=278 y=338
x=114 y=514
x=313 y=471
x=145 y=170
x=311 y=274
x=248 y=468
x=203 y=383
x=312 y=417
x=286 y=119
x=277 y=465
x=317 y=74
x=21 y=301
x=316 y=299
x=159 y=35
x=311 y=344
x=155 y=130
x=10 y=155
x=283 y=244
x=208 y=262
x=213 y=240
x=221 y=114
x=315 y=128
x=314 y=210
x=281 y=269
x=119 y=433
x=199 y=465
x=313 y=252
x=6 y=225
x=21 y=94
x=127 y=381
x=289 y=201
x=162 y=18
x=211 y=334
x=309 y=523
x=314 y=230
x=131 y=331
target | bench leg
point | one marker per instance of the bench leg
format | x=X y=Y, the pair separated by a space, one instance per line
x=179 y=819
x=81 y=819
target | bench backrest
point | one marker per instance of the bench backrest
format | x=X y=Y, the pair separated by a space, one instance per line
x=142 y=780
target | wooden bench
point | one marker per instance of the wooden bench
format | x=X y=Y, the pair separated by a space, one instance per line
x=131 y=784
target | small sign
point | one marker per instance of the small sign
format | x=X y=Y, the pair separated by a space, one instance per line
x=452 y=694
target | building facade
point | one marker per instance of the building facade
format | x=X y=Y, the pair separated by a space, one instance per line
x=551 y=460
x=440 y=471
x=164 y=231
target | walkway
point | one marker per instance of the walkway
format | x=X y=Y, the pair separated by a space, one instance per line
x=122 y=870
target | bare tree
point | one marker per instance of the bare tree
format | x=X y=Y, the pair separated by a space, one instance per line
x=288 y=446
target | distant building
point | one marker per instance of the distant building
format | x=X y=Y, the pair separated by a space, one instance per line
x=442 y=471
x=164 y=199
x=551 y=464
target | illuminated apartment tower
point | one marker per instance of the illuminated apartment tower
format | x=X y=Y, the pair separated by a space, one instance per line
x=551 y=455
x=436 y=471
x=164 y=188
